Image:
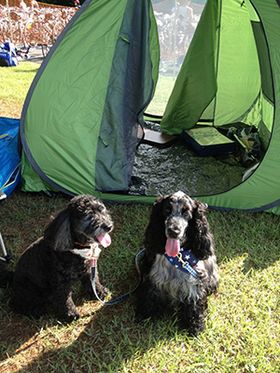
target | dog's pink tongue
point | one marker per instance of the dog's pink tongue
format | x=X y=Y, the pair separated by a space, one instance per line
x=104 y=240
x=172 y=247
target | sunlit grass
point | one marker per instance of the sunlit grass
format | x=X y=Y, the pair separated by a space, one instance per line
x=163 y=90
x=14 y=85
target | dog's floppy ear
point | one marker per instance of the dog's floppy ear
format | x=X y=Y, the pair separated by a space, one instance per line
x=155 y=232
x=201 y=237
x=200 y=208
x=58 y=232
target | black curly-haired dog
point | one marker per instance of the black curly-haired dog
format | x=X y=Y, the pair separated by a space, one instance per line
x=46 y=272
x=179 y=265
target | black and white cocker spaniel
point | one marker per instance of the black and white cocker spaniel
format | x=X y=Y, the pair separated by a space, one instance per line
x=179 y=265
x=70 y=246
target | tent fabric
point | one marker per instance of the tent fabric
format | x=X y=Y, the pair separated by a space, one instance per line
x=75 y=131
x=80 y=119
x=119 y=127
x=264 y=60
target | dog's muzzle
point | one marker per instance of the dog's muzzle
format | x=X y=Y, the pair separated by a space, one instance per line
x=175 y=227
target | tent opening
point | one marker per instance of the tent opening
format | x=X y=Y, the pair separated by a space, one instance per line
x=176 y=23
x=214 y=97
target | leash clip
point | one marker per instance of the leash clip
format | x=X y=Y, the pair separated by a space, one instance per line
x=181 y=260
x=186 y=265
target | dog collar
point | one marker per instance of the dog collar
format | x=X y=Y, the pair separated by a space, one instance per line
x=90 y=253
x=85 y=251
x=82 y=246
x=185 y=261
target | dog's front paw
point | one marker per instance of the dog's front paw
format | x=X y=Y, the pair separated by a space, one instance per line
x=89 y=294
x=193 y=326
x=69 y=316
x=138 y=317
x=141 y=315
x=192 y=330
x=102 y=291
x=195 y=330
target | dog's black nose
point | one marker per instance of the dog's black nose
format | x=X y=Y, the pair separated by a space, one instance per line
x=107 y=227
x=173 y=232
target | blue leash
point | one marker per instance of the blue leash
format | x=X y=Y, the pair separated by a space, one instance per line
x=120 y=298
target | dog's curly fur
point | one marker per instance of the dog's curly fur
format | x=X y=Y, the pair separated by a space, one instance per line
x=46 y=272
x=164 y=287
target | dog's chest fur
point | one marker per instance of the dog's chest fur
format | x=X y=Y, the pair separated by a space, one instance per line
x=171 y=282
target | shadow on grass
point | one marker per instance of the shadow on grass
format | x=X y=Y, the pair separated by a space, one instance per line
x=108 y=341
x=20 y=71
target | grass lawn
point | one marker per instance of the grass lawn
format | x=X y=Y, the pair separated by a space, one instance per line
x=14 y=84
x=243 y=324
x=163 y=90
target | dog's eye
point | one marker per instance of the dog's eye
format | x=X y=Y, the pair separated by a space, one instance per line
x=185 y=211
x=167 y=210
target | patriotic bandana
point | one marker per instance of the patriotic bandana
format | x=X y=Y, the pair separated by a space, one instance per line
x=185 y=261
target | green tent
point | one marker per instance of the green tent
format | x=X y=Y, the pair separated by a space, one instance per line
x=80 y=122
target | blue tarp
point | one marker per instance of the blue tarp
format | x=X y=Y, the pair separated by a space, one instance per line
x=9 y=155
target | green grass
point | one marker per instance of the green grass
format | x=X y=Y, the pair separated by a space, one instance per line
x=163 y=90
x=243 y=324
x=14 y=84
